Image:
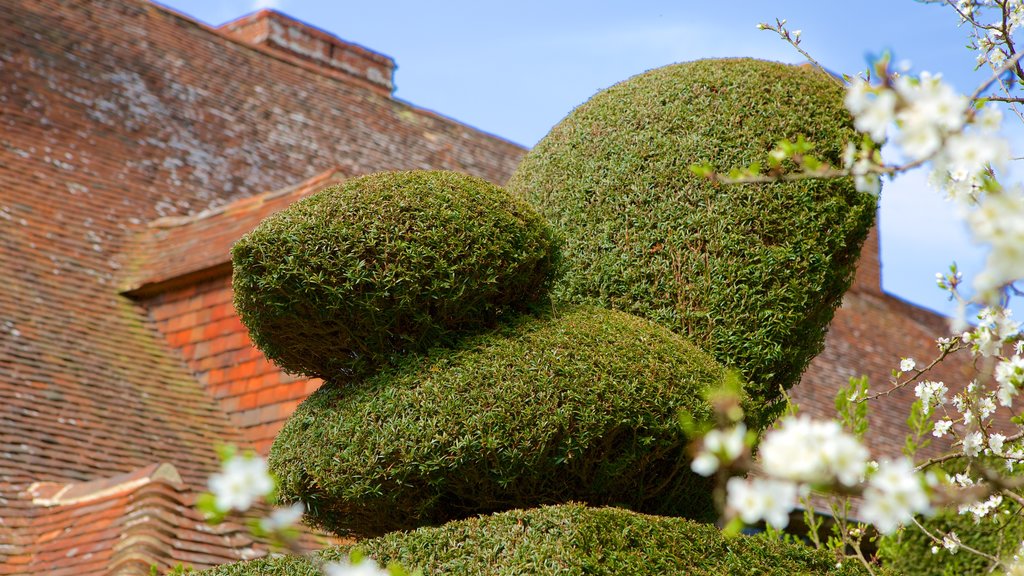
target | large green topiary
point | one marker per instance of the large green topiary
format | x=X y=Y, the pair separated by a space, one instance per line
x=751 y=273
x=910 y=550
x=572 y=540
x=544 y=410
x=386 y=264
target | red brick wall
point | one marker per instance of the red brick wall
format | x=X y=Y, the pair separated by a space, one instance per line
x=869 y=268
x=200 y=322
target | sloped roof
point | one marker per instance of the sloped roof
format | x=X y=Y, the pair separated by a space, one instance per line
x=183 y=249
x=118 y=525
x=869 y=335
x=116 y=113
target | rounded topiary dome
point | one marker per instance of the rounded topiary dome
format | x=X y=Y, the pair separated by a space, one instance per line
x=386 y=264
x=571 y=540
x=750 y=273
x=581 y=407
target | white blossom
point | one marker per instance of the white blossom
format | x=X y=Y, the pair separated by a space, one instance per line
x=907 y=364
x=241 y=481
x=999 y=222
x=995 y=443
x=1010 y=376
x=345 y=568
x=982 y=509
x=282 y=518
x=930 y=393
x=762 y=499
x=815 y=452
x=719 y=446
x=972 y=444
x=873 y=111
x=894 y=495
x=951 y=542
x=941 y=428
x=986 y=407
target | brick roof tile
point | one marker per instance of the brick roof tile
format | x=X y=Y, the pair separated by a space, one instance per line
x=117 y=113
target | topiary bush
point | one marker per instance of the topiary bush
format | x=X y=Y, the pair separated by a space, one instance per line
x=752 y=273
x=581 y=406
x=910 y=551
x=570 y=540
x=384 y=265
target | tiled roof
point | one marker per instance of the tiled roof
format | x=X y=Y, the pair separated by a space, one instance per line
x=869 y=335
x=183 y=249
x=114 y=114
x=118 y=525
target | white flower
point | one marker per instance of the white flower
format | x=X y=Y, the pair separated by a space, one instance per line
x=815 y=452
x=986 y=406
x=858 y=96
x=907 y=364
x=995 y=443
x=972 y=444
x=989 y=119
x=942 y=428
x=997 y=58
x=972 y=153
x=951 y=542
x=999 y=222
x=241 y=481
x=705 y=463
x=1010 y=376
x=894 y=495
x=345 y=568
x=982 y=509
x=719 y=446
x=931 y=393
x=963 y=480
x=762 y=499
x=282 y=518
x=876 y=117
x=919 y=140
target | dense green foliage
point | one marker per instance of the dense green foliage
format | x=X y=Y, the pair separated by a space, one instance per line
x=569 y=540
x=751 y=273
x=390 y=263
x=545 y=410
x=910 y=551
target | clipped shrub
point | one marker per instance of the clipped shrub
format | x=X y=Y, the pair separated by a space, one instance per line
x=387 y=264
x=910 y=551
x=752 y=273
x=569 y=540
x=543 y=410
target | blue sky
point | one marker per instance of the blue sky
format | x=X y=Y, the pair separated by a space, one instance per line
x=516 y=68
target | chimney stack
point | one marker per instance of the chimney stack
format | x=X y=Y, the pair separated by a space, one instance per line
x=285 y=35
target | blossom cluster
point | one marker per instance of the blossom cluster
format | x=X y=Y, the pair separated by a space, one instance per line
x=802 y=453
x=928 y=122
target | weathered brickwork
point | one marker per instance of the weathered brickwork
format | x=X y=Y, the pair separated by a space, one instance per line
x=114 y=114
x=201 y=323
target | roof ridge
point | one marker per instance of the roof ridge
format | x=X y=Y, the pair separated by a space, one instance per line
x=336 y=172
x=57 y=494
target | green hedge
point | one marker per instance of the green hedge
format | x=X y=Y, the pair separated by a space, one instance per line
x=572 y=540
x=752 y=273
x=544 y=410
x=384 y=265
x=910 y=550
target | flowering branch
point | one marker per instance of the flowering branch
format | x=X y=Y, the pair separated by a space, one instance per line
x=794 y=40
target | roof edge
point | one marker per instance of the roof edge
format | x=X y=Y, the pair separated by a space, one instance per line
x=55 y=494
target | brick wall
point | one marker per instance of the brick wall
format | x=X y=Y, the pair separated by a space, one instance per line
x=200 y=322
